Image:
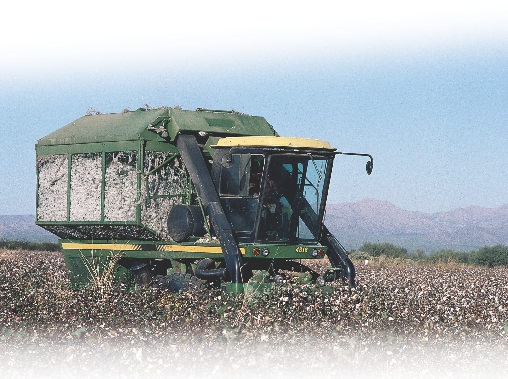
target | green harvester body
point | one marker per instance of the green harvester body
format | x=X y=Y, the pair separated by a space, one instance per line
x=163 y=195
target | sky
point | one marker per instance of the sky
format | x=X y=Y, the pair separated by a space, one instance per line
x=422 y=86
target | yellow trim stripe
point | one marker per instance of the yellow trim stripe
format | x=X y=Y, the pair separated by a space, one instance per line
x=195 y=249
x=100 y=246
x=125 y=246
x=268 y=141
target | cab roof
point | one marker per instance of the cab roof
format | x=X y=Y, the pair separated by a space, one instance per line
x=275 y=142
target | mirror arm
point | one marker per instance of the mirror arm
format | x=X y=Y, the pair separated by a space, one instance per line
x=370 y=163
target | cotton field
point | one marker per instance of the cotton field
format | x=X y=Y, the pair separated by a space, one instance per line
x=404 y=320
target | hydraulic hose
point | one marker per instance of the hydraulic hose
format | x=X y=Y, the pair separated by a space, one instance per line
x=204 y=271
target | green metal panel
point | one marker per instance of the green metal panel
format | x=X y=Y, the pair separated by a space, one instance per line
x=160 y=146
x=285 y=251
x=126 y=126
x=69 y=166
x=103 y=184
x=91 y=147
x=159 y=250
x=96 y=268
x=139 y=179
x=88 y=259
x=218 y=122
x=150 y=125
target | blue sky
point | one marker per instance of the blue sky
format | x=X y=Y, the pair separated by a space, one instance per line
x=423 y=88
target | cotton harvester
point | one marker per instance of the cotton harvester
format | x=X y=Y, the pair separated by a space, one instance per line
x=180 y=198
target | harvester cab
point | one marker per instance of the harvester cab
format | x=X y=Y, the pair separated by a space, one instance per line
x=170 y=196
x=272 y=188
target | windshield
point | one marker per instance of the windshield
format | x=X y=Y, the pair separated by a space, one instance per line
x=239 y=189
x=274 y=197
x=293 y=198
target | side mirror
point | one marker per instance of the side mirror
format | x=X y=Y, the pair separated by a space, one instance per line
x=370 y=164
x=369 y=167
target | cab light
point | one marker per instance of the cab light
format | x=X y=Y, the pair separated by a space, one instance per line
x=265 y=252
x=318 y=253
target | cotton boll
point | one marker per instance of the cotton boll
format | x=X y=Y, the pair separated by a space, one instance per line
x=171 y=181
x=120 y=187
x=86 y=182
x=52 y=191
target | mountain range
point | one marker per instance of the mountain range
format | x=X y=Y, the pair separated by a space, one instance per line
x=23 y=228
x=368 y=220
x=462 y=229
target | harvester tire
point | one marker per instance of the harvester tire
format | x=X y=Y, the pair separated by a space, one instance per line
x=179 y=282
